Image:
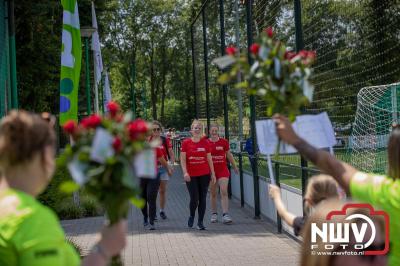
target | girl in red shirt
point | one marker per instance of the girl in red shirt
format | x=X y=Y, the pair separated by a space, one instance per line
x=220 y=152
x=197 y=167
x=167 y=151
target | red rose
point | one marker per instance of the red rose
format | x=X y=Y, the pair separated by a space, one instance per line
x=70 y=127
x=254 y=48
x=92 y=121
x=269 y=31
x=311 y=54
x=231 y=50
x=137 y=129
x=303 y=53
x=113 y=108
x=289 y=55
x=117 y=144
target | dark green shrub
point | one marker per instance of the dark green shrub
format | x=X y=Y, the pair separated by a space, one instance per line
x=67 y=209
x=91 y=207
x=51 y=197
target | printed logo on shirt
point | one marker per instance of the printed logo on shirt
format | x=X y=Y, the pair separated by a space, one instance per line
x=46 y=253
x=196 y=158
x=357 y=233
x=219 y=148
x=201 y=149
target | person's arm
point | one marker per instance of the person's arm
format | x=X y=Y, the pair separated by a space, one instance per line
x=171 y=155
x=339 y=170
x=166 y=165
x=184 y=168
x=211 y=165
x=275 y=194
x=113 y=240
x=232 y=161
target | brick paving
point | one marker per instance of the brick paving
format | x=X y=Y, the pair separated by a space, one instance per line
x=245 y=242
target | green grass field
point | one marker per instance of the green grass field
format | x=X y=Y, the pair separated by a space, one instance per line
x=291 y=175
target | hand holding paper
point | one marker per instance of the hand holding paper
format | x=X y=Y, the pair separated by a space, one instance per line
x=284 y=129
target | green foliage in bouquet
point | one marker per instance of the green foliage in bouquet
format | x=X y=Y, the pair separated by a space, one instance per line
x=100 y=159
x=278 y=75
x=107 y=173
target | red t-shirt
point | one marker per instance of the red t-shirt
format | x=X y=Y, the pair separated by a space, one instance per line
x=159 y=154
x=162 y=147
x=218 y=153
x=196 y=156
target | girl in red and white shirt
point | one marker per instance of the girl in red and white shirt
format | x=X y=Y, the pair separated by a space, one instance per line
x=220 y=152
x=198 y=169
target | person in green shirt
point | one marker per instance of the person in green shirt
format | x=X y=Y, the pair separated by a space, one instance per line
x=380 y=191
x=30 y=233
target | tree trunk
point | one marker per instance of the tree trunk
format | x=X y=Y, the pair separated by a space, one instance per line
x=163 y=81
x=153 y=83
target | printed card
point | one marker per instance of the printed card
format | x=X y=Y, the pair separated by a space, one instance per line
x=145 y=164
x=101 y=146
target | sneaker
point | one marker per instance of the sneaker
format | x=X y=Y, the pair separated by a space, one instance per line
x=162 y=215
x=155 y=218
x=152 y=227
x=226 y=219
x=214 y=217
x=190 y=221
x=145 y=222
x=200 y=226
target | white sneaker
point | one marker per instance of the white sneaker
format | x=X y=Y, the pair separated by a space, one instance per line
x=214 y=218
x=226 y=219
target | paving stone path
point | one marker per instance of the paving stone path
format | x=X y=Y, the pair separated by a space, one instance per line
x=245 y=242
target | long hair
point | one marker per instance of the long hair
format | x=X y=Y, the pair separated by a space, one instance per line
x=320 y=188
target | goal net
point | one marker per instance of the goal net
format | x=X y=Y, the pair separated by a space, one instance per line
x=377 y=110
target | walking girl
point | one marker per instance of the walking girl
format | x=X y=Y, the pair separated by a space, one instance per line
x=198 y=169
x=220 y=152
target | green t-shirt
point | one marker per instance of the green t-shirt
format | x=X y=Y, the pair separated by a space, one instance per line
x=384 y=193
x=30 y=233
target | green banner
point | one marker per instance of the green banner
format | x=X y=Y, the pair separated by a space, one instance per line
x=71 y=56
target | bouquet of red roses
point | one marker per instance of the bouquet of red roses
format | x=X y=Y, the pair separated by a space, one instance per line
x=277 y=74
x=102 y=158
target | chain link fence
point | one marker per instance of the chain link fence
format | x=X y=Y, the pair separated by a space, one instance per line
x=357 y=44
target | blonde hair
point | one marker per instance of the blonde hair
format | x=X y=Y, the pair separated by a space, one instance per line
x=22 y=136
x=155 y=122
x=214 y=125
x=319 y=188
x=196 y=121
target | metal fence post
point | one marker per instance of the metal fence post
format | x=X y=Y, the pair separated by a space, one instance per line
x=300 y=46
x=12 y=55
x=224 y=87
x=249 y=22
x=278 y=217
x=206 y=70
x=241 y=180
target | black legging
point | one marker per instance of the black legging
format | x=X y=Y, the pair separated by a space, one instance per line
x=198 y=187
x=149 y=189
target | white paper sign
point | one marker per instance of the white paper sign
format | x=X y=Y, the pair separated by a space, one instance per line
x=315 y=129
x=77 y=171
x=101 y=146
x=145 y=164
